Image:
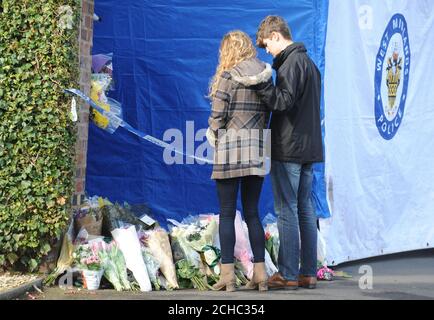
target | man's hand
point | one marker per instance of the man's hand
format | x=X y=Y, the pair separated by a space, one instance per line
x=262 y=85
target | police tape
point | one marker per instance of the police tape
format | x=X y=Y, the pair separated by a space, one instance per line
x=118 y=122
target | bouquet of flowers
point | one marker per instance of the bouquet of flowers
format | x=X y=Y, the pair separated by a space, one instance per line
x=89 y=218
x=242 y=253
x=190 y=259
x=186 y=271
x=179 y=238
x=86 y=257
x=272 y=241
x=66 y=256
x=153 y=267
x=115 y=269
x=116 y=216
x=201 y=236
x=129 y=244
x=324 y=273
x=242 y=250
x=158 y=246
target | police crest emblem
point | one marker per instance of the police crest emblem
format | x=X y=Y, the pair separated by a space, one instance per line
x=392 y=70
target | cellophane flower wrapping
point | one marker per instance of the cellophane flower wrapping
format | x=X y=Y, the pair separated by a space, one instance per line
x=158 y=244
x=189 y=240
x=202 y=233
x=152 y=266
x=66 y=258
x=129 y=244
x=242 y=250
x=179 y=236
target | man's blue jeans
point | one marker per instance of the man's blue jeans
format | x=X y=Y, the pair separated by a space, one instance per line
x=296 y=219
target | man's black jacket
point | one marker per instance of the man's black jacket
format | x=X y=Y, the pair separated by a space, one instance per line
x=295 y=102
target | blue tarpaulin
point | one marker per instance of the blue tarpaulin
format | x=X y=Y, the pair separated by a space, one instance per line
x=164 y=54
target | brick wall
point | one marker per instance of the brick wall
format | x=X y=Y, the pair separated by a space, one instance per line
x=85 y=44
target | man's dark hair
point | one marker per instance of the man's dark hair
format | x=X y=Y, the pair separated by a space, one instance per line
x=272 y=24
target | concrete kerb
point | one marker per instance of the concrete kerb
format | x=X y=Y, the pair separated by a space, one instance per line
x=21 y=290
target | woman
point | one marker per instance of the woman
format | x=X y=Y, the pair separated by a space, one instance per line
x=236 y=130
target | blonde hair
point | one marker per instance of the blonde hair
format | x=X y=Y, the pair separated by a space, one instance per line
x=236 y=46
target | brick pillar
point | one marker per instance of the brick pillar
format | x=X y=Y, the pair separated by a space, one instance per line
x=85 y=45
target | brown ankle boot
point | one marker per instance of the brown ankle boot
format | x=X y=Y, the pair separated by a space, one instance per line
x=227 y=278
x=259 y=279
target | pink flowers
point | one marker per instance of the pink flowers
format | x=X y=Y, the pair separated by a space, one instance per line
x=88 y=256
x=92 y=260
x=325 y=274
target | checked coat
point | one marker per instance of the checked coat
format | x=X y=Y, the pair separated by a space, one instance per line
x=238 y=121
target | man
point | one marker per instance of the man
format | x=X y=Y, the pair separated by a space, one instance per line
x=296 y=144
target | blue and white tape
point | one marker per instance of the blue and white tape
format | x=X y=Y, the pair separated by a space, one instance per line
x=118 y=122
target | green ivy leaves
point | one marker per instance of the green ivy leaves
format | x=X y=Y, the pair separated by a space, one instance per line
x=38 y=59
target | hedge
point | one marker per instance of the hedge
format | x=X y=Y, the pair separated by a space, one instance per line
x=38 y=58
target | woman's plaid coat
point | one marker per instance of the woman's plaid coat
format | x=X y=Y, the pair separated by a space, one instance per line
x=238 y=122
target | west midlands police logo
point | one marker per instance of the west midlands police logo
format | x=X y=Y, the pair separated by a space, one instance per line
x=391 y=77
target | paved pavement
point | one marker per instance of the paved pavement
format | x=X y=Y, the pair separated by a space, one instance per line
x=406 y=276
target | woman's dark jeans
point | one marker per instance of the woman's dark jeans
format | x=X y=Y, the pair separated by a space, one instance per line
x=227 y=190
